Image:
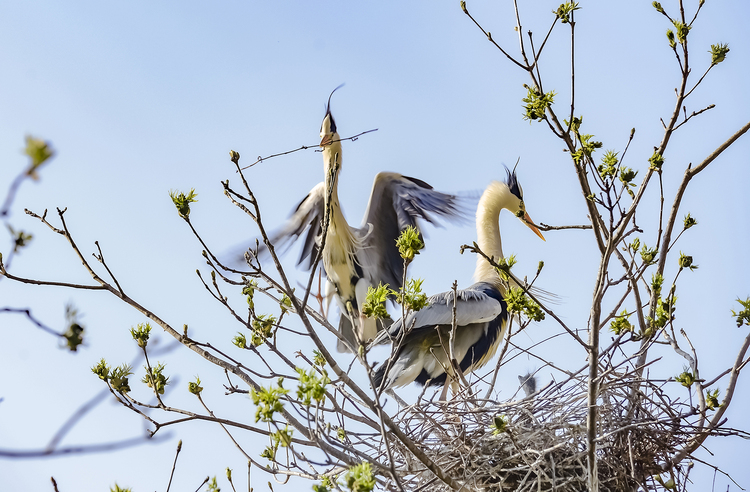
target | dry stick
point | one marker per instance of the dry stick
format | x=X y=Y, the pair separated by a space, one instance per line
x=174 y=465
x=343 y=376
x=690 y=173
x=305 y=147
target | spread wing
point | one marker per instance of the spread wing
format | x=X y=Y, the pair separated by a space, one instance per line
x=477 y=304
x=396 y=202
x=307 y=216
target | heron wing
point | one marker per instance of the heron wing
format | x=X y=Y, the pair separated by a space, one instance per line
x=396 y=202
x=479 y=303
x=307 y=220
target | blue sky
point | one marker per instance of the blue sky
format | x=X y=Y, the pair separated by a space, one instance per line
x=144 y=97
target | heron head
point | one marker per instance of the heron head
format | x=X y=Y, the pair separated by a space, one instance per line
x=328 y=127
x=517 y=206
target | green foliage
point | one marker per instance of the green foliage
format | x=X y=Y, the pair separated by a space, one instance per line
x=183 y=201
x=285 y=304
x=74 y=334
x=117 y=488
x=262 y=328
x=118 y=378
x=635 y=245
x=359 y=478
x=39 y=152
x=504 y=265
x=658 y=7
x=195 y=386
x=213 y=486
x=411 y=296
x=682 y=30
x=657 y=281
x=686 y=261
x=141 y=333
x=621 y=324
x=718 y=53
x=670 y=38
x=341 y=434
x=686 y=379
x=374 y=305
x=20 y=238
x=268 y=400
x=312 y=385
x=648 y=255
x=326 y=485
x=499 y=424
x=319 y=359
x=712 y=399
x=240 y=341
x=588 y=146
x=627 y=175
x=101 y=370
x=519 y=303
x=564 y=10
x=689 y=222
x=249 y=291
x=743 y=317
x=664 y=314
x=409 y=243
x=282 y=437
x=656 y=161
x=536 y=103
x=608 y=168
x=155 y=378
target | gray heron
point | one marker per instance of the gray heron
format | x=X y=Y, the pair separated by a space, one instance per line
x=357 y=258
x=421 y=343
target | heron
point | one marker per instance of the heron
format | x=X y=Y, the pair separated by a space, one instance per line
x=357 y=258
x=421 y=344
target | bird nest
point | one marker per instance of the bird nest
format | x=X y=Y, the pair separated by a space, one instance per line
x=540 y=442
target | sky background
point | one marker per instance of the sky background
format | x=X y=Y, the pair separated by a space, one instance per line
x=139 y=98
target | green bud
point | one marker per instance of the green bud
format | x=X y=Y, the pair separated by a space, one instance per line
x=195 y=388
x=689 y=222
x=658 y=7
x=141 y=333
x=712 y=399
x=743 y=317
x=656 y=161
x=374 y=305
x=234 y=156
x=670 y=38
x=409 y=243
x=183 y=201
x=39 y=152
x=686 y=261
x=686 y=379
x=359 y=478
x=621 y=324
x=718 y=53
x=155 y=378
x=499 y=424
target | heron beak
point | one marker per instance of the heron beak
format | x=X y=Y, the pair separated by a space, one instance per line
x=527 y=220
x=327 y=139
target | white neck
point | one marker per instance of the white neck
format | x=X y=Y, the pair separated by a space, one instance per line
x=496 y=197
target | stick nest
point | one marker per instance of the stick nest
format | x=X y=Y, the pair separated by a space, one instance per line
x=539 y=442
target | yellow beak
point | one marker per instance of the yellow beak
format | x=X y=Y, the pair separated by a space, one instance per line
x=527 y=220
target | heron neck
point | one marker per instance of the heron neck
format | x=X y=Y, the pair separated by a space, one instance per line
x=493 y=200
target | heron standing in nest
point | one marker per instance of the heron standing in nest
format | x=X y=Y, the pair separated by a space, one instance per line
x=421 y=344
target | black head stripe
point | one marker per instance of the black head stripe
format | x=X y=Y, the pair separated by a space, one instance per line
x=512 y=182
x=328 y=109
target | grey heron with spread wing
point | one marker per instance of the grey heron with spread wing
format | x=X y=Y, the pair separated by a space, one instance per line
x=420 y=344
x=357 y=258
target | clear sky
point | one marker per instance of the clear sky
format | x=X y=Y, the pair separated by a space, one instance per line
x=139 y=98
